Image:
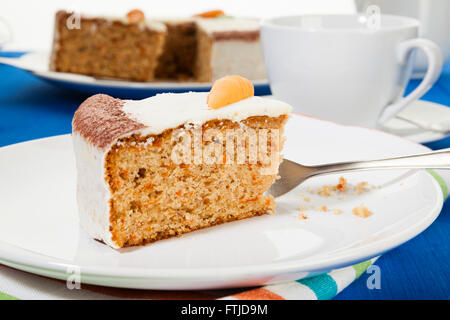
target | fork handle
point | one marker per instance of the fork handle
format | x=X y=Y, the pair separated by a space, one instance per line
x=435 y=159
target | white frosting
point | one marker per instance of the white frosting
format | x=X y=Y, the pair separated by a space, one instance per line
x=92 y=192
x=174 y=19
x=170 y=110
x=227 y=24
x=151 y=24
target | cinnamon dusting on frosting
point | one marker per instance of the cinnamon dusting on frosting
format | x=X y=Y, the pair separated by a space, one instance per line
x=100 y=120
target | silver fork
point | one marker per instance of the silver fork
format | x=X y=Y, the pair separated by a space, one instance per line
x=292 y=174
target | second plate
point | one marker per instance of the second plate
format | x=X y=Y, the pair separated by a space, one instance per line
x=37 y=63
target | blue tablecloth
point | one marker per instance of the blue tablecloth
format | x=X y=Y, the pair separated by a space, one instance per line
x=419 y=269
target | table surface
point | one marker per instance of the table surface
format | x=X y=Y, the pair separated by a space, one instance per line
x=419 y=269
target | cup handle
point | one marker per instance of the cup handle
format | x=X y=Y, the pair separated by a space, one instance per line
x=435 y=62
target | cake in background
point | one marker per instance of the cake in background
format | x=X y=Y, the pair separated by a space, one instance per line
x=124 y=48
x=173 y=163
x=201 y=48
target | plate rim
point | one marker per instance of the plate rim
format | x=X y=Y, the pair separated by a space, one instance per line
x=86 y=80
x=22 y=259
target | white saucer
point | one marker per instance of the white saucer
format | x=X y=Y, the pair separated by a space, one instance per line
x=416 y=112
x=38 y=63
x=39 y=230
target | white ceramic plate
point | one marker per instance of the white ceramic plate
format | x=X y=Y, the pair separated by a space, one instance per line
x=39 y=229
x=38 y=63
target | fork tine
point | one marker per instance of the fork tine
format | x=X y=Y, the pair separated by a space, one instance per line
x=291 y=175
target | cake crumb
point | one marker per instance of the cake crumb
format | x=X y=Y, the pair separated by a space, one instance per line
x=305 y=198
x=302 y=216
x=341 y=188
x=361 y=211
x=303 y=208
x=361 y=187
x=337 y=211
x=310 y=190
x=342 y=185
x=330 y=190
x=326 y=191
x=324 y=208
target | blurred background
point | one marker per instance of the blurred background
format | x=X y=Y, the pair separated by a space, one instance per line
x=31 y=22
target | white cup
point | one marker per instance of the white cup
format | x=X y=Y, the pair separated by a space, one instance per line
x=351 y=69
x=434 y=17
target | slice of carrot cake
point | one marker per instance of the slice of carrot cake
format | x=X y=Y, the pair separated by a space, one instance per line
x=173 y=163
x=124 y=48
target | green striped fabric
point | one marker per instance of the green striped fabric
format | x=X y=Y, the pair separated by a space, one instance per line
x=4 y=296
x=360 y=268
x=441 y=182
